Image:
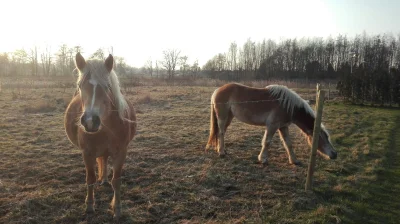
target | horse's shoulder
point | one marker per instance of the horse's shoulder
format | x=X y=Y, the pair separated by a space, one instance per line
x=74 y=105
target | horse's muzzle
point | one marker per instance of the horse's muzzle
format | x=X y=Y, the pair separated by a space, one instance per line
x=333 y=155
x=91 y=123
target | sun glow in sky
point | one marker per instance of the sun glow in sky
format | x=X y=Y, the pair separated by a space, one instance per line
x=200 y=29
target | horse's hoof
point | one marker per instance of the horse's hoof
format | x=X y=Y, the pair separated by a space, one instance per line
x=262 y=161
x=89 y=209
x=297 y=163
x=222 y=155
x=117 y=214
x=104 y=182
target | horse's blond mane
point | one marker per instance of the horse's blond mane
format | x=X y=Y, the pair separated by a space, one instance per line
x=106 y=79
x=289 y=99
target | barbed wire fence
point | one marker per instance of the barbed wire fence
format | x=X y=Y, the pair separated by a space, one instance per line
x=80 y=188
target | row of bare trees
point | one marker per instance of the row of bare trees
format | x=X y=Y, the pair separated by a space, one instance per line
x=314 y=58
x=35 y=62
x=169 y=65
x=44 y=62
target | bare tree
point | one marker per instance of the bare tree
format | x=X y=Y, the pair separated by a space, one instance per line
x=183 y=63
x=62 y=59
x=120 y=65
x=195 y=69
x=20 y=60
x=231 y=56
x=33 y=57
x=98 y=54
x=4 y=64
x=77 y=49
x=149 y=67
x=70 y=59
x=170 y=60
x=46 y=61
x=157 y=69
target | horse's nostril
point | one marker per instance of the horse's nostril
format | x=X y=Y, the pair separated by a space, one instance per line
x=334 y=155
x=96 y=120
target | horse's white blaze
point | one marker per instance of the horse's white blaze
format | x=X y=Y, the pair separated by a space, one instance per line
x=94 y=83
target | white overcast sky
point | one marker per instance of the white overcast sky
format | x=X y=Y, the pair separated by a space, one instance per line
x=140 y=30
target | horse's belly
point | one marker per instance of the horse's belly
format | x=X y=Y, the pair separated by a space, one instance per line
x=249 y=117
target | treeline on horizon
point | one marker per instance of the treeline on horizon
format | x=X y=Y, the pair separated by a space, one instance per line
x=366 y=68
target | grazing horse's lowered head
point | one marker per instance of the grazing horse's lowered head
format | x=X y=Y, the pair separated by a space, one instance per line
x=325 y=147
x=303 y=116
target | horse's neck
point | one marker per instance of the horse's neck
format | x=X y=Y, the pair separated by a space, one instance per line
x=304 y=120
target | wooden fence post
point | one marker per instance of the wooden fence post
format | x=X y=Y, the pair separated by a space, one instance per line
x=317 y=129
x=329 y=91
x=318 y=89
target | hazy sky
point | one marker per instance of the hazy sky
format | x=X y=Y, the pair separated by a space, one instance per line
x=140 y=30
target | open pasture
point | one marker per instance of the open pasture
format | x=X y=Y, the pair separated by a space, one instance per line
x=167 y=177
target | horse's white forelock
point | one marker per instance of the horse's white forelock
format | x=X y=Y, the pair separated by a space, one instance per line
x=104 y=78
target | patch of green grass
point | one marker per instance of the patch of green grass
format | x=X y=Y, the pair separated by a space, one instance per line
x=367 y=181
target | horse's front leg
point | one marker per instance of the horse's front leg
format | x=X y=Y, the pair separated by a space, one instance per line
x=266 y=142
x=287 y=143
x=102 y=169
x=90 y=163
x=118 y=162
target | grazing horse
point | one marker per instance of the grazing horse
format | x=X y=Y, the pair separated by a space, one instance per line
x=101 y=122
x=275 y=107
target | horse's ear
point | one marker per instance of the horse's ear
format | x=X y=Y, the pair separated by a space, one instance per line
x=109 y=63
x=80 y=61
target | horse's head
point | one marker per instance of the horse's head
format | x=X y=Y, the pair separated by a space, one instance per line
x=325 y=147
x=94 y=90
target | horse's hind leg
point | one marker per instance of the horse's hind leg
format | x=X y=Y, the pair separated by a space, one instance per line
x=118 y=162
x=266 y=142
x=102 y=169
x=221 y=135
x=223 y=126
x=229 y=120
x=287 y=143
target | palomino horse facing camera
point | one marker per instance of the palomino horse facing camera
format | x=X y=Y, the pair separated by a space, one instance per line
x=101 y=122
x=274 y=107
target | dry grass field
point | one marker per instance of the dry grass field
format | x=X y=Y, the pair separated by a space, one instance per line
x=168 y=178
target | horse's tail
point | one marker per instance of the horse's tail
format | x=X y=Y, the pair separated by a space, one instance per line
x=213 y=139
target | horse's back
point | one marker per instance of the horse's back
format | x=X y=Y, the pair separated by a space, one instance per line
x=235 y=92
